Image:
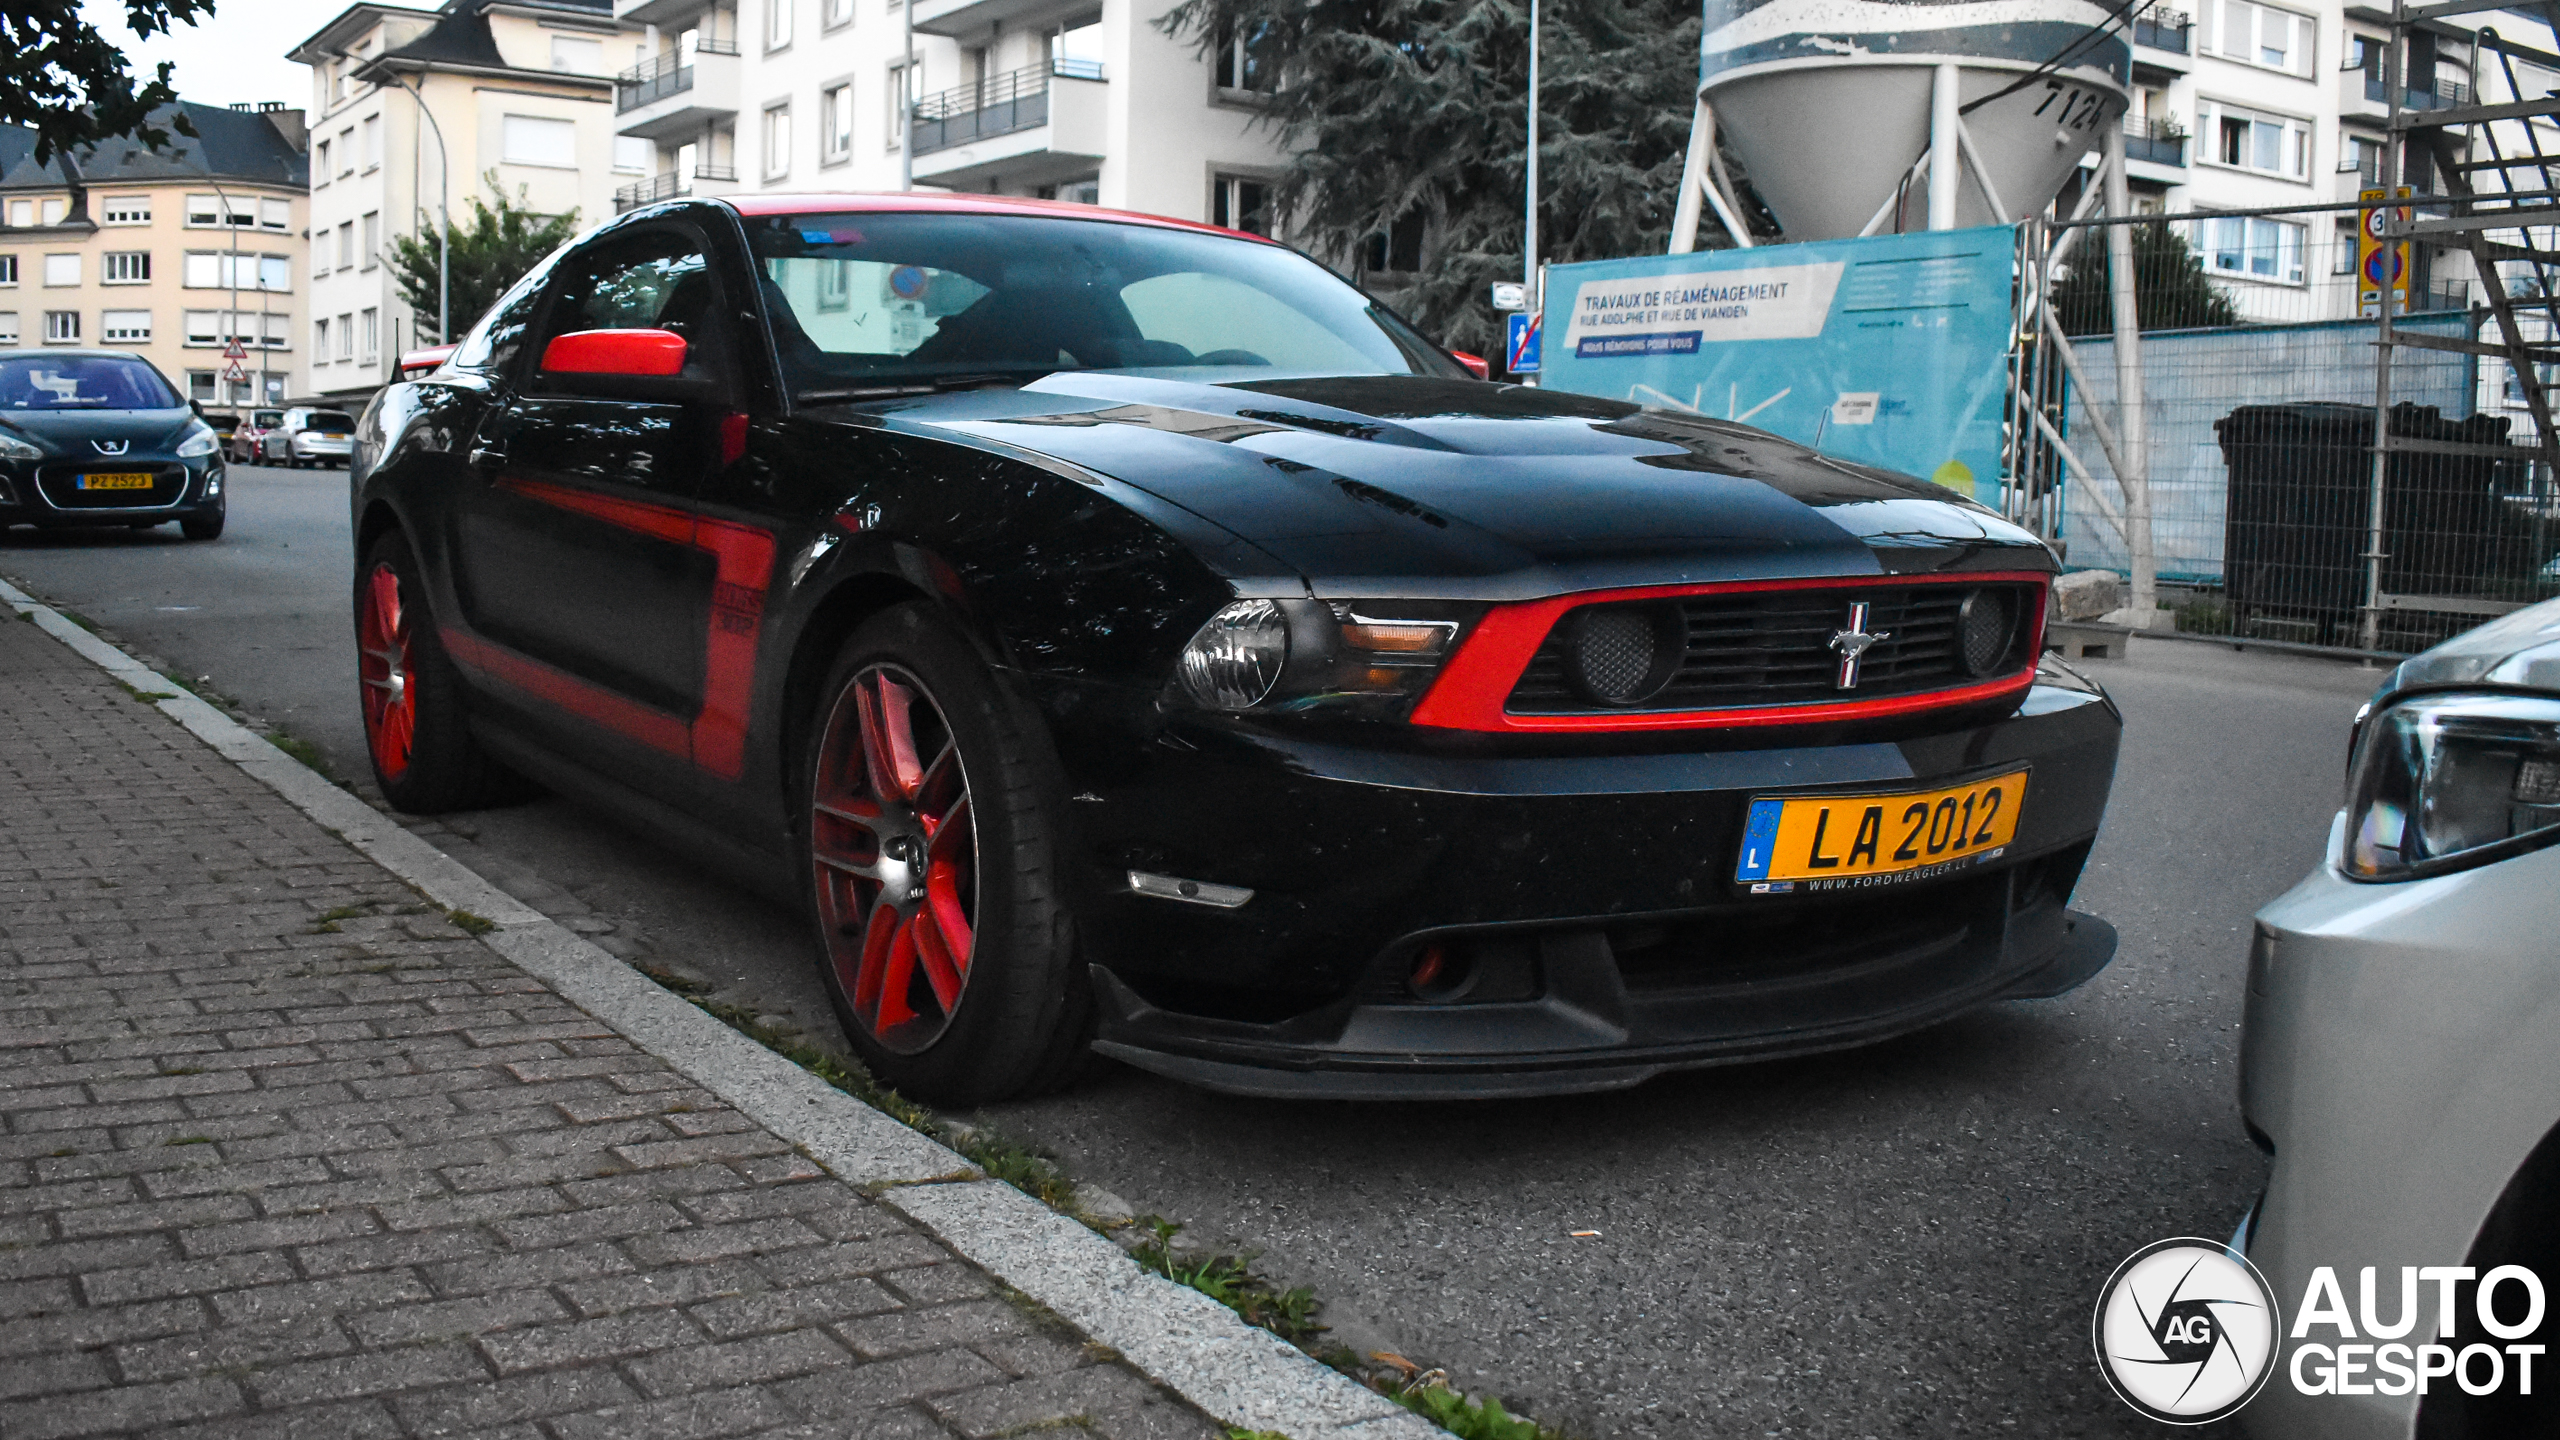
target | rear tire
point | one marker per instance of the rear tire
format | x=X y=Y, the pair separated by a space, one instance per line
x=929 y=807
x=416 y=721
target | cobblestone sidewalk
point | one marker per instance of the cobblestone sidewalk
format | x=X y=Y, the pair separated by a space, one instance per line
x=284 y=1153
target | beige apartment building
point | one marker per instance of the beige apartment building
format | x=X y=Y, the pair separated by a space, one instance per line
x=414 y=113
x=172 y=254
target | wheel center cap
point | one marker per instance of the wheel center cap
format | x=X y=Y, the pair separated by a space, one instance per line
x=902 y=857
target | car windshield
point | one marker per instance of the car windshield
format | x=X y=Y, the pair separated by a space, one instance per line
x=869 y=301
x=328 y=421
x=82 y=382
x=269 y=419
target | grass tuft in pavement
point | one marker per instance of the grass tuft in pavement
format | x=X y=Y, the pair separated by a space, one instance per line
x=470 y=924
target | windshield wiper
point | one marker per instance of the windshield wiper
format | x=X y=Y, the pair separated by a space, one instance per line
x=923 y=385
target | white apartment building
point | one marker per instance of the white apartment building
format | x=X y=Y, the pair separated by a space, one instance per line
x=417 y=112
x=2248 y=105
x=1080 y=100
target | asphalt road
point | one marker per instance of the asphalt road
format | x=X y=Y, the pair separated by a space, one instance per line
x=1902 y=1240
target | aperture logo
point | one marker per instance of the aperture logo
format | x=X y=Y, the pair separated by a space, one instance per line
x=2186 y=1331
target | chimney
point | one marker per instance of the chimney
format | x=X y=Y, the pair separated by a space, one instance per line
x=288 y=123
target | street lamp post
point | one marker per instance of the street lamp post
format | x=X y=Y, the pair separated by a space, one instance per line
x=444 y=217
x=1529 y=249
x=907 y=101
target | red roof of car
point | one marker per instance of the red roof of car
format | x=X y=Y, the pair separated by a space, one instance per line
x=858 y=202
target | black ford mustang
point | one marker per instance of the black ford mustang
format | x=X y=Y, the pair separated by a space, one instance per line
x=1123 y=633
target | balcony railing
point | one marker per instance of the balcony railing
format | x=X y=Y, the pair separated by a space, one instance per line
x=2160 y=141
x=2439 y=95
x=997 y=105
x=669 y=72
x=2163 y=30
x=666 y=185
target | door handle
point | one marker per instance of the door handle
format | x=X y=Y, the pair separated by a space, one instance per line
x=488 y=457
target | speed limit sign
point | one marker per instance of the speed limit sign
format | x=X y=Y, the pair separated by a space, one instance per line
x=2379 y=262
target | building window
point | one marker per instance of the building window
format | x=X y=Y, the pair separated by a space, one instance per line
x=838 y=12
x=275 y=274
x=62 y=327
x=2253 y=247
x=2262 y=35
x=8 y=267
x=55 y=210
x=346 y=152
x=577 y=55
x=346 y=337
x=777 y=23
x=126 y=210
x=22 y=213
x=200 y=386
x=1087 y=191
x=319 y=175
x=124 y=327
x=320 y=339
x=346 y=244
x=836 y=114
x=372 y=142
x=210 y=210
x=1242 y=62
x=372 y=238
x=901 y=95
x=1075 y=49
x=275 y=214
x=8 y=327
x=835 y=288
x=777 y=141
x=1396 y=250
x=369 y=324
x=62 y=269
x=540 y=140
x=632 y=154
x=1241 y=204
x=123 y=267
x=2246 y=140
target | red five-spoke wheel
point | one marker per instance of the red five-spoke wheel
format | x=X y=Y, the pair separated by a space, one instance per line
x=383 y=663
x=894 y=850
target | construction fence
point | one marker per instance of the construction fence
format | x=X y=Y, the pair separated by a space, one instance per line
x=2258 y=375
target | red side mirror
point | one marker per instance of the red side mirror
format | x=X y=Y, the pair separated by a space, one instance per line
x=615 y=352
x=419 y=362
x=1474 y=363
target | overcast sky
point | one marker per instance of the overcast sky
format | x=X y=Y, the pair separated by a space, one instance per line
x=234 y=56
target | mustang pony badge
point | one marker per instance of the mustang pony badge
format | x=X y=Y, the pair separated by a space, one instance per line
x=1854 y=642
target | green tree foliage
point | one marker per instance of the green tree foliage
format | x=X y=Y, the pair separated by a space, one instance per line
x=489 y=250
x=70 y=84
x=2170 y=290
x=1393 y=110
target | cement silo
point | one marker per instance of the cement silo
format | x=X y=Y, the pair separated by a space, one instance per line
x=1835 y=105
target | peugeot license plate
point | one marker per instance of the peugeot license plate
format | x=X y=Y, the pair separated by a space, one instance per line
x=1828 y=842
x=119 y=480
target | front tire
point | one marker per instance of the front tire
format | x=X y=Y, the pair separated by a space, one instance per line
x=202 y=527
x=416 y=724
x=929 y=805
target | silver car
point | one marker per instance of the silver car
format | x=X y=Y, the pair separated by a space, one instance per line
x=311 y=437
x=2401 y=1061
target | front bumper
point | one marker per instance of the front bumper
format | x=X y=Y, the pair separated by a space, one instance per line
x=2401 y=1054
x=1586 y=900
x=44 y=493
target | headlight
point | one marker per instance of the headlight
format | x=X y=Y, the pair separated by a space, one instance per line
x=201 y=443
x=1345 y=657
x=2446 y=782
x=13 y=448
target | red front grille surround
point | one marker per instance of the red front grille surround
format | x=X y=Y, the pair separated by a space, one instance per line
x=1474 y=689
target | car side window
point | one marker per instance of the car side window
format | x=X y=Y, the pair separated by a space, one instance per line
x=493 y=343
x=657 y=279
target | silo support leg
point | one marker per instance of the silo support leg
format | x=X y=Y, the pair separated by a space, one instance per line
x=2133 y=424
x=1698 y=187
x=1946 y=173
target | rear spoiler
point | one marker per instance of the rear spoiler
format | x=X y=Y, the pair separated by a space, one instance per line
x=419 y=362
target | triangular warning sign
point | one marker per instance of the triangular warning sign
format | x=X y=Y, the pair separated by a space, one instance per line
x=234 y=351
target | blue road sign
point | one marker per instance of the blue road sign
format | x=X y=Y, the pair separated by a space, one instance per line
x=1523 y=349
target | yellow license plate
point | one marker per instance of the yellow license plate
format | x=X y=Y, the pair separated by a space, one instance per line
x=128 y=480
x=1822 y=842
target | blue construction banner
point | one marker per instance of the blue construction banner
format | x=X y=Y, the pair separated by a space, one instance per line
x=1891 y=349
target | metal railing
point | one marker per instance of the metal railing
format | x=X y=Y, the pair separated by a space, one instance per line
x=2440 y=95
x=2163 y=30
x=666 y=185
x=999 y=104
x=669 y=72
x=2161 y=141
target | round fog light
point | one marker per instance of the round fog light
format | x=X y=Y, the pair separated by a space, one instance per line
x=1983 y=631
x=1623 y=654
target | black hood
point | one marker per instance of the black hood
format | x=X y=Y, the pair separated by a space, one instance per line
x=68 y=432
x=1458 y=487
